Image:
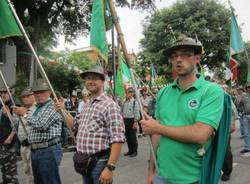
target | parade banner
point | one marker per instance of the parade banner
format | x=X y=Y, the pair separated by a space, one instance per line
x=98 y=38
x=8 y=24
x=120 y=91
x=236 y=46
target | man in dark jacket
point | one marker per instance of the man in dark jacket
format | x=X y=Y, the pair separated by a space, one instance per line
x=8 y=159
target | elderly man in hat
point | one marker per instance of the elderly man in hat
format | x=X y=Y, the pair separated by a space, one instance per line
x=100 y=129
x=28 y=100
x=245 y=105
x=8 y=160
x=44 y=136
x=187 y=113
x=131 y=115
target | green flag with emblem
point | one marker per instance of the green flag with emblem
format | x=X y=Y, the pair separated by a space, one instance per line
x=8 y=24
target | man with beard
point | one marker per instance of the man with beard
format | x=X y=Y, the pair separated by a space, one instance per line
x=188 y=111
x=100 y=129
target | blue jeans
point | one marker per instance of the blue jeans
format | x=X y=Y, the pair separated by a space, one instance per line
x=93 y=177
x=246 y=123
x=45 y=164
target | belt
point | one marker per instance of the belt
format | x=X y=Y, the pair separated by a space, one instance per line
x=25 y=143
x=52 y=142
x=102 y=153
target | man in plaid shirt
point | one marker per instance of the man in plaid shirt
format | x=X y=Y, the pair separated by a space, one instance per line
x=44 y=136
x=100 y=128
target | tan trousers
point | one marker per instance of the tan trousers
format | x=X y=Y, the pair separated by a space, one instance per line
x=26 y=158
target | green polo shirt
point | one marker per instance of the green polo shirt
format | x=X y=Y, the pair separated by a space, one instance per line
x=180 y=162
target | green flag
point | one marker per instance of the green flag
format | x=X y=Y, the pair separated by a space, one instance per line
x=152 y=74
x=8 y=25
x=236 y=46
x=98 y=29
x=125 y=71
x=236 y=42
x=119 y=87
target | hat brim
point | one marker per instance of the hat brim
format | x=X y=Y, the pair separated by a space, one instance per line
x=27 y=94
x=40 y=89
x=84 y=74
x=170 y=50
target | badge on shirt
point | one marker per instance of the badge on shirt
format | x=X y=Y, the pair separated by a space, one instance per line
x=193 y=103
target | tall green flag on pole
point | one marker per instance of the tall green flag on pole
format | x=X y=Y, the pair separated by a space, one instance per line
x=125 y=71
x=236 y=46
x=236 y=42
x=152 y=75
x=8 y=24
x=119 y=83
x=98 y=28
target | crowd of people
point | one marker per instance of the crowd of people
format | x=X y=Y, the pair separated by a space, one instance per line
x=183 y=120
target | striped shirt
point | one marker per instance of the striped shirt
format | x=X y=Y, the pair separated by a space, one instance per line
x=99 y=125
x=45 y=123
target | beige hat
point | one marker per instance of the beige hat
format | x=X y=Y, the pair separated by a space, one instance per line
x=184 y=42
x=98 y=70
x=40 y=85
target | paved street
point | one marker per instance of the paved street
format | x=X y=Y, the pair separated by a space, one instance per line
x=134 y=170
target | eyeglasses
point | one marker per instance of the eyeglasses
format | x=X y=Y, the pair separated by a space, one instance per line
x=183 y=55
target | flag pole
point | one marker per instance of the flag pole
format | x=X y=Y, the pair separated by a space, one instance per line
x=114 y=61
x=39 y=63
x=9 y=115
x=128 y=61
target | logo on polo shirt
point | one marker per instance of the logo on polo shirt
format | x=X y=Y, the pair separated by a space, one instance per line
x=193 y=104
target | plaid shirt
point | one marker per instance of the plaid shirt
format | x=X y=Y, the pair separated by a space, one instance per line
x=45 y=122
x=99 y=125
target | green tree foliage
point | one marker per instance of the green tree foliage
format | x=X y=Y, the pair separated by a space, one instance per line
x=62 y=79
x=45 y=20
x=64 y=76
x=243 y=65
x=206 y=20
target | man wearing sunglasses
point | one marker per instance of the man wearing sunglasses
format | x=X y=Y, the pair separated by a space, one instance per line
x=188 y=111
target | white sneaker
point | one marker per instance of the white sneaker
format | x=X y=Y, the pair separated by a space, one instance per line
x=246 y=154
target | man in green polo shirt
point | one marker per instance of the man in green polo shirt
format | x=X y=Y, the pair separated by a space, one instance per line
x=187 y=113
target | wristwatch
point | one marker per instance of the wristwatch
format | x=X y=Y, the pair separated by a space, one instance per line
x=110 y=167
